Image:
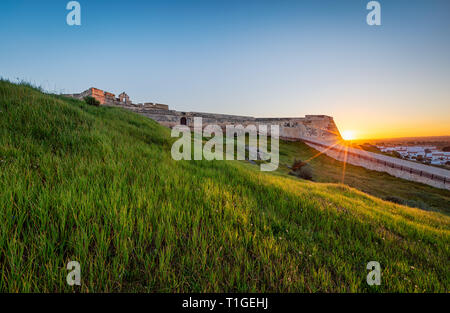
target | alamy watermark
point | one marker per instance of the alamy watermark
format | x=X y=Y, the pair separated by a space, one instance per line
x=74 y=16
x=374 y=16
x=74 y=276
x=374 y=276
x=236 y=136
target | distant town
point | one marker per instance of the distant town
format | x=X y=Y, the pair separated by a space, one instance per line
x=424 y=154
x=428 y=150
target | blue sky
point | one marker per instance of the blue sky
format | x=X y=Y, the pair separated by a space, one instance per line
x=259 y=58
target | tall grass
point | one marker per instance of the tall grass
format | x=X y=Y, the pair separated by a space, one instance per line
x=98 y=185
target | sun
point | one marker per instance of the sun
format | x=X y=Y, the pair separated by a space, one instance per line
x=348 y=135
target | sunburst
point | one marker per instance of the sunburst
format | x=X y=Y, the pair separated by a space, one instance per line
x=348 y=135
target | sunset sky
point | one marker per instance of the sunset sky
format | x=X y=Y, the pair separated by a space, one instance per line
x=259 y=58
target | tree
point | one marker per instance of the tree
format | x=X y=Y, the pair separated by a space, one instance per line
x=91 y=101
x=396 y=154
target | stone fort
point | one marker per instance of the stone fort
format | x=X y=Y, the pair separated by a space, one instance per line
x=317 y=131
x=317 y=127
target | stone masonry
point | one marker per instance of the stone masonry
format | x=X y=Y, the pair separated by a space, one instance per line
x=318 y=127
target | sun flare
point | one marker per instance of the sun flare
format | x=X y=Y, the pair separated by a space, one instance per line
x=348 y=135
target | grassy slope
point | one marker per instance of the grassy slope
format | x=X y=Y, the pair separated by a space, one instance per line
x=382 y=185
x=98 y=185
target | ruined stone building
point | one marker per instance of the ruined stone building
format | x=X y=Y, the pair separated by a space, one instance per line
x=104 y=97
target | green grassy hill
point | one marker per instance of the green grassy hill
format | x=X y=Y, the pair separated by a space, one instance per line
x=98 y=185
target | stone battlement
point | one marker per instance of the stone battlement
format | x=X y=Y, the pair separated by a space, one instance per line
x=318 y=127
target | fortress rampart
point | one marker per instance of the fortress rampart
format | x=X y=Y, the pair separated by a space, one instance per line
x=318 y=131
x=317 y=127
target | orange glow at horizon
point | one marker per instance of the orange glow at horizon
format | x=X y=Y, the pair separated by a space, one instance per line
x=372 y=128
x=391 y=112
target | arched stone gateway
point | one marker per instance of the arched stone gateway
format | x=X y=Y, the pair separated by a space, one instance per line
x=123 y=98
x=183 y=121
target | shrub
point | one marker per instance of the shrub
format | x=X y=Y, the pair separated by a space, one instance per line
x=395 y=199
x=411 y=203
x=91 y=101
x=302 y=170
x=395 y=154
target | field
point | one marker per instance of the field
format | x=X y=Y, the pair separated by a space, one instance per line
x=98 y=185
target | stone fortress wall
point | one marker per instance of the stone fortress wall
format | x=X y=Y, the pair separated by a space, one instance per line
x=318 y=127
x=317 y=131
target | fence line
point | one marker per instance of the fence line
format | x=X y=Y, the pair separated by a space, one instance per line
x=385 y=163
